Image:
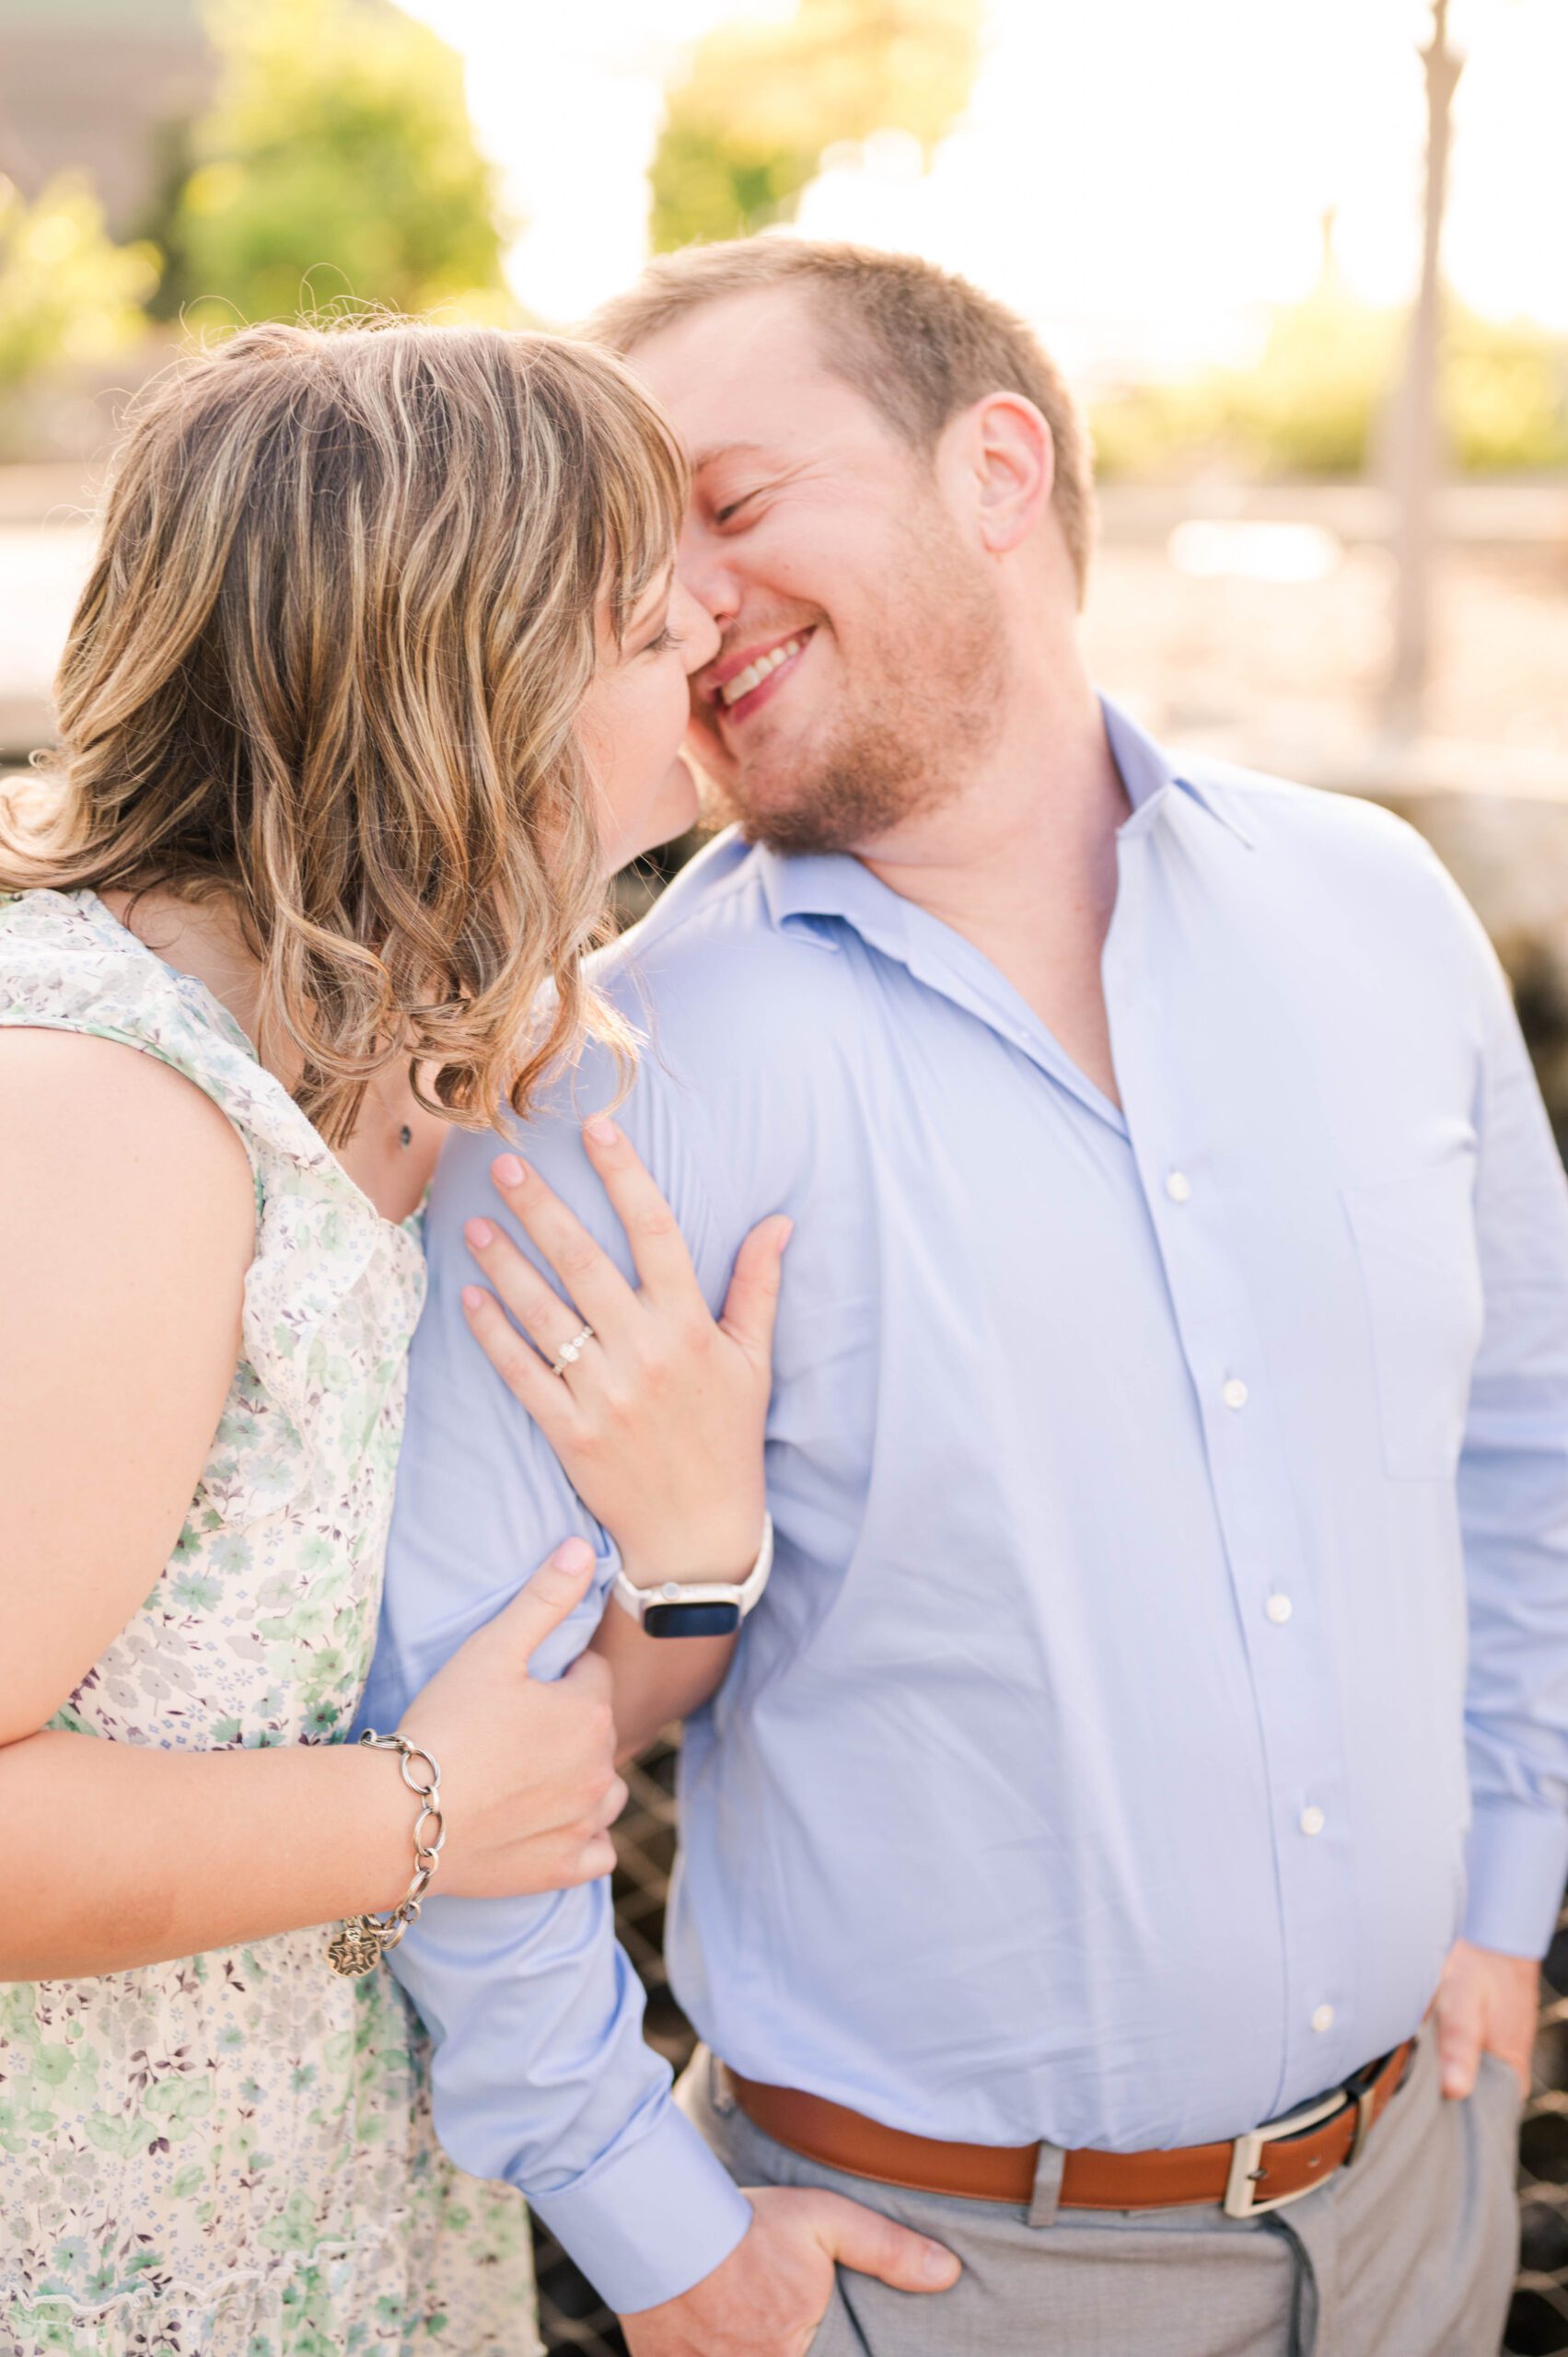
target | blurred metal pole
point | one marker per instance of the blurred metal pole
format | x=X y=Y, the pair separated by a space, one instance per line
x=1415 y=443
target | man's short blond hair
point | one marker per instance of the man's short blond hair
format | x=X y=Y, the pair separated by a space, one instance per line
x=919 y=343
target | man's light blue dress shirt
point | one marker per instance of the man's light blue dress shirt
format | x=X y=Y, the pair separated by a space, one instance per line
x=1172 y=1511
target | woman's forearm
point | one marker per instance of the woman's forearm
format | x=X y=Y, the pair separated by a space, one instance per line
x=116 y=1854
x=657 y=1680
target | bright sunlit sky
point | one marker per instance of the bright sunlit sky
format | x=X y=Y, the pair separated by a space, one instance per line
x=1137 y=176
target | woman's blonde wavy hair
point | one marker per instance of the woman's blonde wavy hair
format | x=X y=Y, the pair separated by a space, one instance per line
x=330 y=662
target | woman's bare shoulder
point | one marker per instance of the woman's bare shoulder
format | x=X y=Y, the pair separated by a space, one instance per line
x=57 y=1082
x=85 y=1121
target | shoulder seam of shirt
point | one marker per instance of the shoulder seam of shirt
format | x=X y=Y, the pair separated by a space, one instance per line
x=1253 y=787
x=1235 y=777
x=663 y=927
x=707 y=1163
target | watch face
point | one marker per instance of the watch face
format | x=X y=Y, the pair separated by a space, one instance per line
x=690 y=1620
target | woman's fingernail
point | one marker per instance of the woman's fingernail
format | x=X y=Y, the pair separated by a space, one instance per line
x=480 y=1233
x=601 y=1129
x=472 y=1296
x=936 y=2265
x=786 y=1232
x=508 y=1171
x=573 y=1555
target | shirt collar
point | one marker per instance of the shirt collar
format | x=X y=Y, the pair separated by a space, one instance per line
x=836 y=883
x=1149 y=774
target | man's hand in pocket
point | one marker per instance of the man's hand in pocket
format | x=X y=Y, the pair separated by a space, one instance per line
x=769 y=2296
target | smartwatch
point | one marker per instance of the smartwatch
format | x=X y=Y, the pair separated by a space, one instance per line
x=697 y=1608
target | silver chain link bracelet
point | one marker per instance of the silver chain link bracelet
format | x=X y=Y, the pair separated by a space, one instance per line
x=361 y=1942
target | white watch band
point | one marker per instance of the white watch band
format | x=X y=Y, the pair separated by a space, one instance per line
x=697 y=1608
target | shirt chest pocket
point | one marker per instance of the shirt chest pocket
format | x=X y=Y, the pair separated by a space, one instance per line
x=1414 y=1239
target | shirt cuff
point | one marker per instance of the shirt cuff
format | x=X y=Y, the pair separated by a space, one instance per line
x=1517 y=1864
x=651 y=2219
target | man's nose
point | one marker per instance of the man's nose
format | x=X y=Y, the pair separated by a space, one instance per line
x=699 y=633
x=705 y=570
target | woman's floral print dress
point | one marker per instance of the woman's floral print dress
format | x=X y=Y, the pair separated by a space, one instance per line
x=231 y=2155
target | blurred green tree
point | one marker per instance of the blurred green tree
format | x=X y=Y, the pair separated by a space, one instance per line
x=746 y=127
x=1504 y=395
x=337 y=161
x=1316 y=400
x=68 y=294
x=1306 y=405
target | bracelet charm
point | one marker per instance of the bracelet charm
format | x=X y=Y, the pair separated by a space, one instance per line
x=359 y=1945
x=356 y=1949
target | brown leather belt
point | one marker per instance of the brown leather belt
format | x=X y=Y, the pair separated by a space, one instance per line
x=1259 y=2171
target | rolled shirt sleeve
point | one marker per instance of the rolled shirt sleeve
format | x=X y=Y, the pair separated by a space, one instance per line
x=541 y=2072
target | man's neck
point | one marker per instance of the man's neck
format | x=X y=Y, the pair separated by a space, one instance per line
x=1022 y=862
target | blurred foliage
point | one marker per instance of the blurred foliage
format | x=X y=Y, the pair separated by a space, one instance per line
x=337 y=162
x=1505 y=396
x=746 y=127
x=69 y=296
x=1305 y=405
x=1315 y=401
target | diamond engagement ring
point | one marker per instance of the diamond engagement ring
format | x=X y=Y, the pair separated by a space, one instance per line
x=571 y=1352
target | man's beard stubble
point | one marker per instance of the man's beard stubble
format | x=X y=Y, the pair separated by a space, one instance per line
x=901 y=747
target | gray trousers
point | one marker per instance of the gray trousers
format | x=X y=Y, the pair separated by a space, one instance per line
x=1408 y=2254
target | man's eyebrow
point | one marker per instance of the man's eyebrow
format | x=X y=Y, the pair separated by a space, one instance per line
x=716 y=451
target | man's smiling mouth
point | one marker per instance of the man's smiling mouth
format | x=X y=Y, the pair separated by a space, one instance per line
x=733 y=686
x=760 y=670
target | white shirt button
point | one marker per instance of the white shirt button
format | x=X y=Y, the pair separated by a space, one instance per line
x=1323 y=2018
x=1311 y=1821
x=1279 y=1609
x=1178 y=1186
x=1234 y=1392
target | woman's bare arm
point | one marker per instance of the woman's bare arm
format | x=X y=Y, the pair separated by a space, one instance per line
x=126 y=1227
x=122 y=1855
x=127 y=1222
x=656 y=1680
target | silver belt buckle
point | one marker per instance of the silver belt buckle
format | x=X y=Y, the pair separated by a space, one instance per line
x=1247 y=2153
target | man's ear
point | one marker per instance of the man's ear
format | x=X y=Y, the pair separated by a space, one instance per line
x=1014 y=461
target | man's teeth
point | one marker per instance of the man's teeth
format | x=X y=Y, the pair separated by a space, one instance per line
x=755 y=673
